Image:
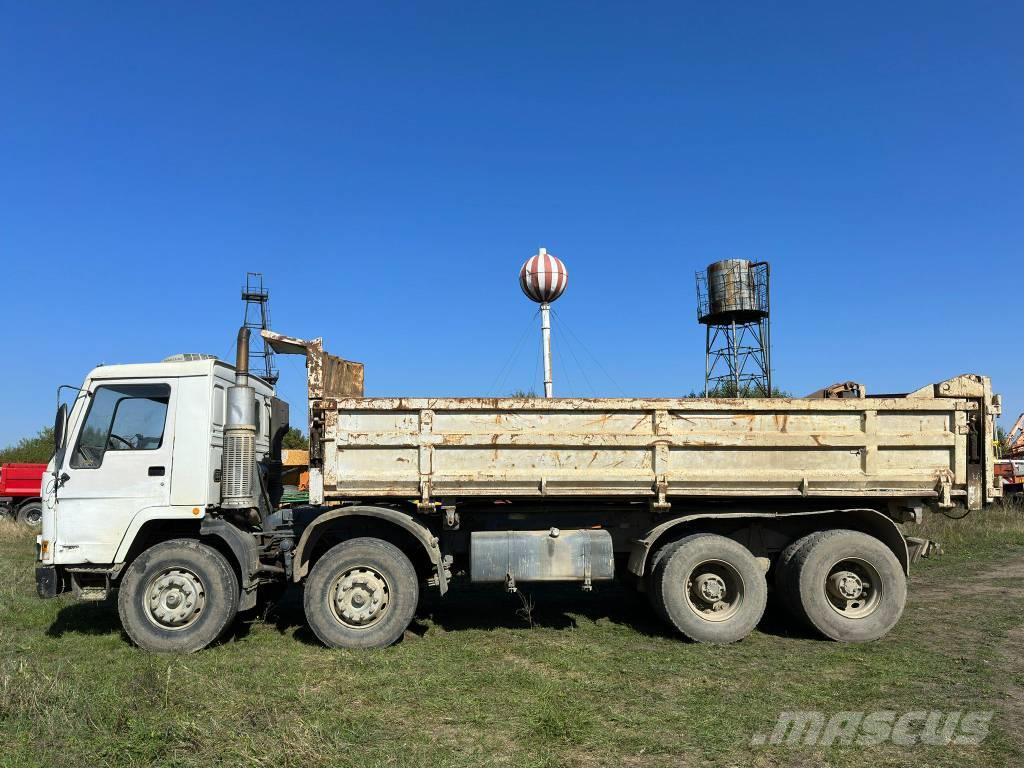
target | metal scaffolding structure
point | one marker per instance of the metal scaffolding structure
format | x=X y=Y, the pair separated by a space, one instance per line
x=257 y=318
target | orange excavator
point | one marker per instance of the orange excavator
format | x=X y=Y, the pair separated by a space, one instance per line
x=1015 y=440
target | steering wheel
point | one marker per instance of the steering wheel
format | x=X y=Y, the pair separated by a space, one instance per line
x=120 y=439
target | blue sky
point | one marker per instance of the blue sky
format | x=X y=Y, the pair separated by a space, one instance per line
x=390 y=166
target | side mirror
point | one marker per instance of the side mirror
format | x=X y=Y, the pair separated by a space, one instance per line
x=60 y=430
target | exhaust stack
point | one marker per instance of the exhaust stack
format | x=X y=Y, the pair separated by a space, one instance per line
x=238 y=466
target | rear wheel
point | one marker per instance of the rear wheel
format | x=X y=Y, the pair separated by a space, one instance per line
x=850 y=585
x=31 y=514
x=179 y=595
x=785 y=575
x=710 y=588
x=361 y=593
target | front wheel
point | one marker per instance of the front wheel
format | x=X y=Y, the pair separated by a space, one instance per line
x=361 y=593
x=710 y=588
x=178 y=596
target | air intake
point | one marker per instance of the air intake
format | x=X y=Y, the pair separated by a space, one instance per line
x=238 y=461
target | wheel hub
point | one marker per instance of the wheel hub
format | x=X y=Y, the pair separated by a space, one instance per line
x=853 y=588
x=710 y=588
x=847 y=585
x=714 y=590
x=361 y=597
x=175 y=599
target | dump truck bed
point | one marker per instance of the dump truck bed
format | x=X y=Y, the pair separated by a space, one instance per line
x=935 y=443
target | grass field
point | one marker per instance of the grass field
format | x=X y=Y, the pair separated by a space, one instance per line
x=595 y=681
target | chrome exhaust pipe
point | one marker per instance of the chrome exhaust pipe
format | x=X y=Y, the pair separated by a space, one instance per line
x=242 y=358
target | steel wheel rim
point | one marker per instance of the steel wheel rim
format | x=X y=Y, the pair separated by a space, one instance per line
x=360 y=597
x=853 y=588
x=714 y=590
x=175 y=599
x=34 y=518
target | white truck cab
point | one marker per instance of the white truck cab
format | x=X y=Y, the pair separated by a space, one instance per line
x=143 y=443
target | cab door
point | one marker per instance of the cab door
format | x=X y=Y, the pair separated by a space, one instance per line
x=119 y=463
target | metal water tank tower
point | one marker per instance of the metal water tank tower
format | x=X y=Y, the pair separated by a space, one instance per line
x=733 y=303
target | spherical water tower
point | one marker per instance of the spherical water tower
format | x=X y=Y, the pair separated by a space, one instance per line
x=733 y=304
x=543 y=279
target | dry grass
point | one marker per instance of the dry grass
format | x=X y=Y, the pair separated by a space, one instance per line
x=11 y=530
x=596 y=681
x=975 y=534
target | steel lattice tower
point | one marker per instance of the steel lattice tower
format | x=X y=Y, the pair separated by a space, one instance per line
x=257 y=318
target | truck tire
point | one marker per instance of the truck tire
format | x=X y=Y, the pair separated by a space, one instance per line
x=361 y=593
x=710 y=588
x=31 y=514
x=784 y=579
x=178 y=596
x=653 y=593
x=850 y=585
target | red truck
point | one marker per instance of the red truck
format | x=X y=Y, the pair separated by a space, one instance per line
x=1011 y=471
x=20 y=493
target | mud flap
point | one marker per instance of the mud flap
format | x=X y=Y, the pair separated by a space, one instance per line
x=49 y=583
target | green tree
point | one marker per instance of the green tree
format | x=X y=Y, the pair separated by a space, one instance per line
x=728 y=389
x=294 y=440
x=30 y=450
x=523 y=393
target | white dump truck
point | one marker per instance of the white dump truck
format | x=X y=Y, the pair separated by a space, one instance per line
x=165 y=488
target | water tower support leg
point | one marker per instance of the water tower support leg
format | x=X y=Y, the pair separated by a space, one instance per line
x=545 y=332
x=735 y=360
x=707 y=357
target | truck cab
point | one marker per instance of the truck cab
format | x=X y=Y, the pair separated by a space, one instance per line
x=142 y=443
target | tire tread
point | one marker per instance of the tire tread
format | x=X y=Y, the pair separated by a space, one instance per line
x=320 y=617
x=150 y=638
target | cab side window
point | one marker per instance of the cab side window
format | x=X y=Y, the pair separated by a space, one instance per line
x=122 y=417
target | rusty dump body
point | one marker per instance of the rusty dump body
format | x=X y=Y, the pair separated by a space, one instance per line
x=934 y=445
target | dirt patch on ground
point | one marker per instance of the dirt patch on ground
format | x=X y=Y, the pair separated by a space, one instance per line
x=1009 y=569
x=967 y=583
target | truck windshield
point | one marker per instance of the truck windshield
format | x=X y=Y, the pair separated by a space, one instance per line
x=122 y=417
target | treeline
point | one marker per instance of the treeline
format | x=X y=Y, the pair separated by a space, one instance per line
x=30 y=450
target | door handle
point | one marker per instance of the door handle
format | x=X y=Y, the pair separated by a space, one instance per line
x=156 y=471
